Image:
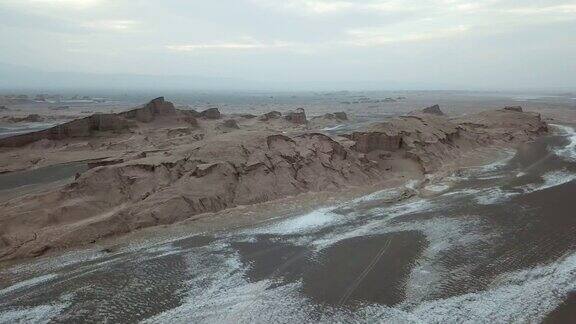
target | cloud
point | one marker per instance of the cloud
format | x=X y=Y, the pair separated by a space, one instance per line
x=321 y=6
x=66 y=4
x=111 y=25
x=565 y=9
x=334 y=7
x=252 y=45
x=377 y=37
x=294 y=38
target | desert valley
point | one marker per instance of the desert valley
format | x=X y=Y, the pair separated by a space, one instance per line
x=263 y=205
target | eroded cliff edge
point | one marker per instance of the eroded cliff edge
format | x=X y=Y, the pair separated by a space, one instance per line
x=164 y=165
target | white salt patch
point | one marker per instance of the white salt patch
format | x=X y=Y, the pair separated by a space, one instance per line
x=38 y=314
x=220 y=293
x=333 y=127
x=324 y=217
x=438 y=187
x=387 y=194
x=300 y=224
x=567 y=152
x=28 y=283
x=412 y=184
x=35 y=314
x=223 y=295
x=520 y=297
x=442 y=234
x=551 y=179
x=498 y=176
x=52 y=263
x=409 y=207
x=379 y=195
x=162 y=250
x=556 y=178
x=507 y=155
x=378 y=225
x=485 y=172
x=462 y=192
x=493 y=196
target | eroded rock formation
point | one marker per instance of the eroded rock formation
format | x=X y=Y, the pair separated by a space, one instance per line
x=148 y=113
x=210 y=113
x=514 y=108
x=96 y=123
x=207 y=171
x=297 y=116
x=270 y=115
x=340 y=116
x=230 y=123
x=119 y=197
x=432 y=140
x=31 y=118
x=434 y=110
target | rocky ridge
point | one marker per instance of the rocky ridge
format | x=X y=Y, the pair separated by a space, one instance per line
x=206 y=172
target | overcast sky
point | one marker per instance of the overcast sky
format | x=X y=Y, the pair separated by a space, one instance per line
x=444 y=43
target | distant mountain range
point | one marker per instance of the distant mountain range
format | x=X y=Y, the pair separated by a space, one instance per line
x=14 y=77
x=21 y=77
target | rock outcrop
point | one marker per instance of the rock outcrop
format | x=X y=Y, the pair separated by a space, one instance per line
x=31 y=118
x=227 y=169
x=513 y=108
x=366 y=142
x=210 y=113
x=231 y=124
x=270 y=115
x=434 y=110
x=146 y=114
x=76 y=128
x=297 y=116
x=121 y=197
x=503 y=125
x=96 y=123
x=432 y=140
x=339 y=116
x=189 y=117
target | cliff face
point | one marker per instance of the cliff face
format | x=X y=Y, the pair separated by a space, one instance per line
x=426 y=138
x=96 y=123
x=237 y=167
x=367 y=142
x=146 y=114
x=434 y=110
x=432 y=140
x=297 y=116
x=223 y=173
x=504 y=125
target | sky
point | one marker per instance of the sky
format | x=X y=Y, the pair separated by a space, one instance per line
x=441 y=44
